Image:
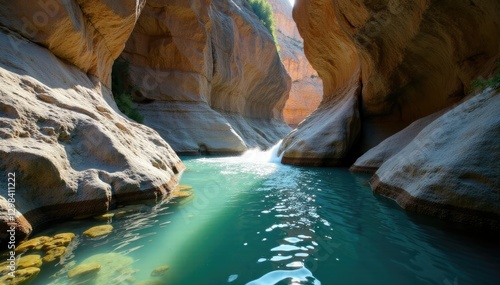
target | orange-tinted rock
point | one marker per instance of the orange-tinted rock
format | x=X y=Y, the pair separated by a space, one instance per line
x=414 y=59
x=338 y=125
x=307 y=90
x=89 y=34
x=60 y=130
x=221 y=89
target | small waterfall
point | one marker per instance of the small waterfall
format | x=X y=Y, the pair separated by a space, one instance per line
x=258 y=155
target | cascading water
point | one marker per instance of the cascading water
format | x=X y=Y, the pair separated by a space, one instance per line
x=258 y=155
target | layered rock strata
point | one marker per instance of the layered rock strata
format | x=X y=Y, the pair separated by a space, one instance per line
x=414 y=60
x=208 y=76
x=307 y=89
x=71 y=151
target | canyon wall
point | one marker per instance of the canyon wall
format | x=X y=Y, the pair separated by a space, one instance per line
x=208 y=76
x=307 y=89
x=398 y=82
x=71 y=151
x=409 y=60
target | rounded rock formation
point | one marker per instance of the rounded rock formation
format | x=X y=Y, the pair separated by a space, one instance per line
x=61 y=133
x=409 y=60
x=220 y=90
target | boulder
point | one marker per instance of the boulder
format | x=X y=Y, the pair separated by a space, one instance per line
x=160 y=270
x=98 y=231
x=21 y=276
x=72 y=152
x=450 y=170
x=54 y=253
x=84 y=269
x=30 y=260
x=371 y=160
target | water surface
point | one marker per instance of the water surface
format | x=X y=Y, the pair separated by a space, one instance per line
x=258 y=222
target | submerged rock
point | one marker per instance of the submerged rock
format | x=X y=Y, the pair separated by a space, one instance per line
x=105 y=217
x=114 y=268
x=60 y=130
x=181 y=194
x=21 y=276
x=98 y=231
x=54 y=253
x=151 y=282
x=31 y=260
x=58 y=240
x=160 y=271
x=84 y=269
x=32 y=243
x=182 y=188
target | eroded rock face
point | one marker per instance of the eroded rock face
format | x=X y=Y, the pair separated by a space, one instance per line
x=221 y=89
x=88 y=34
x=416 y=58
x=450 y=170
x=307 y=88
x=73 y=153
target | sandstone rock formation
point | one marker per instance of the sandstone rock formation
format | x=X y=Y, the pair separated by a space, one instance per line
x=414 y=59
x=88 y=34
x=450 y=170
x=72 y=151
x=307 y=88
x=371 y=160
x=208 y=75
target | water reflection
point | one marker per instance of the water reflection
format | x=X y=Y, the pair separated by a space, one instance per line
x=255 y=222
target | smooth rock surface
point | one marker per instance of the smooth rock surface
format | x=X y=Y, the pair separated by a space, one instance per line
x=115 y=268
x=415 y=59
x=84 y=269
x=307 y=89
x=160 y=270
x=89 y=34
x=336 y=127
x=450 y=170
x=371 y=160
x=72 y=151
x=98 y=231
x=220 y=90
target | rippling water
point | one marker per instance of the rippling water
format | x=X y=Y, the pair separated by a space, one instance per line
x=257 y=222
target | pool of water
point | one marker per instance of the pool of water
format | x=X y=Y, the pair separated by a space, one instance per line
x=251 y=221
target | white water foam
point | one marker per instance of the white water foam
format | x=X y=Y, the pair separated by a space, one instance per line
x=258 y=155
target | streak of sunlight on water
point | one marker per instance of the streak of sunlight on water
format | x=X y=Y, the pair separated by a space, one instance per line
x=253 y=221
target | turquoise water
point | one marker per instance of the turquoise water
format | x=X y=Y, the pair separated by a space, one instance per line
x=257 y=222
